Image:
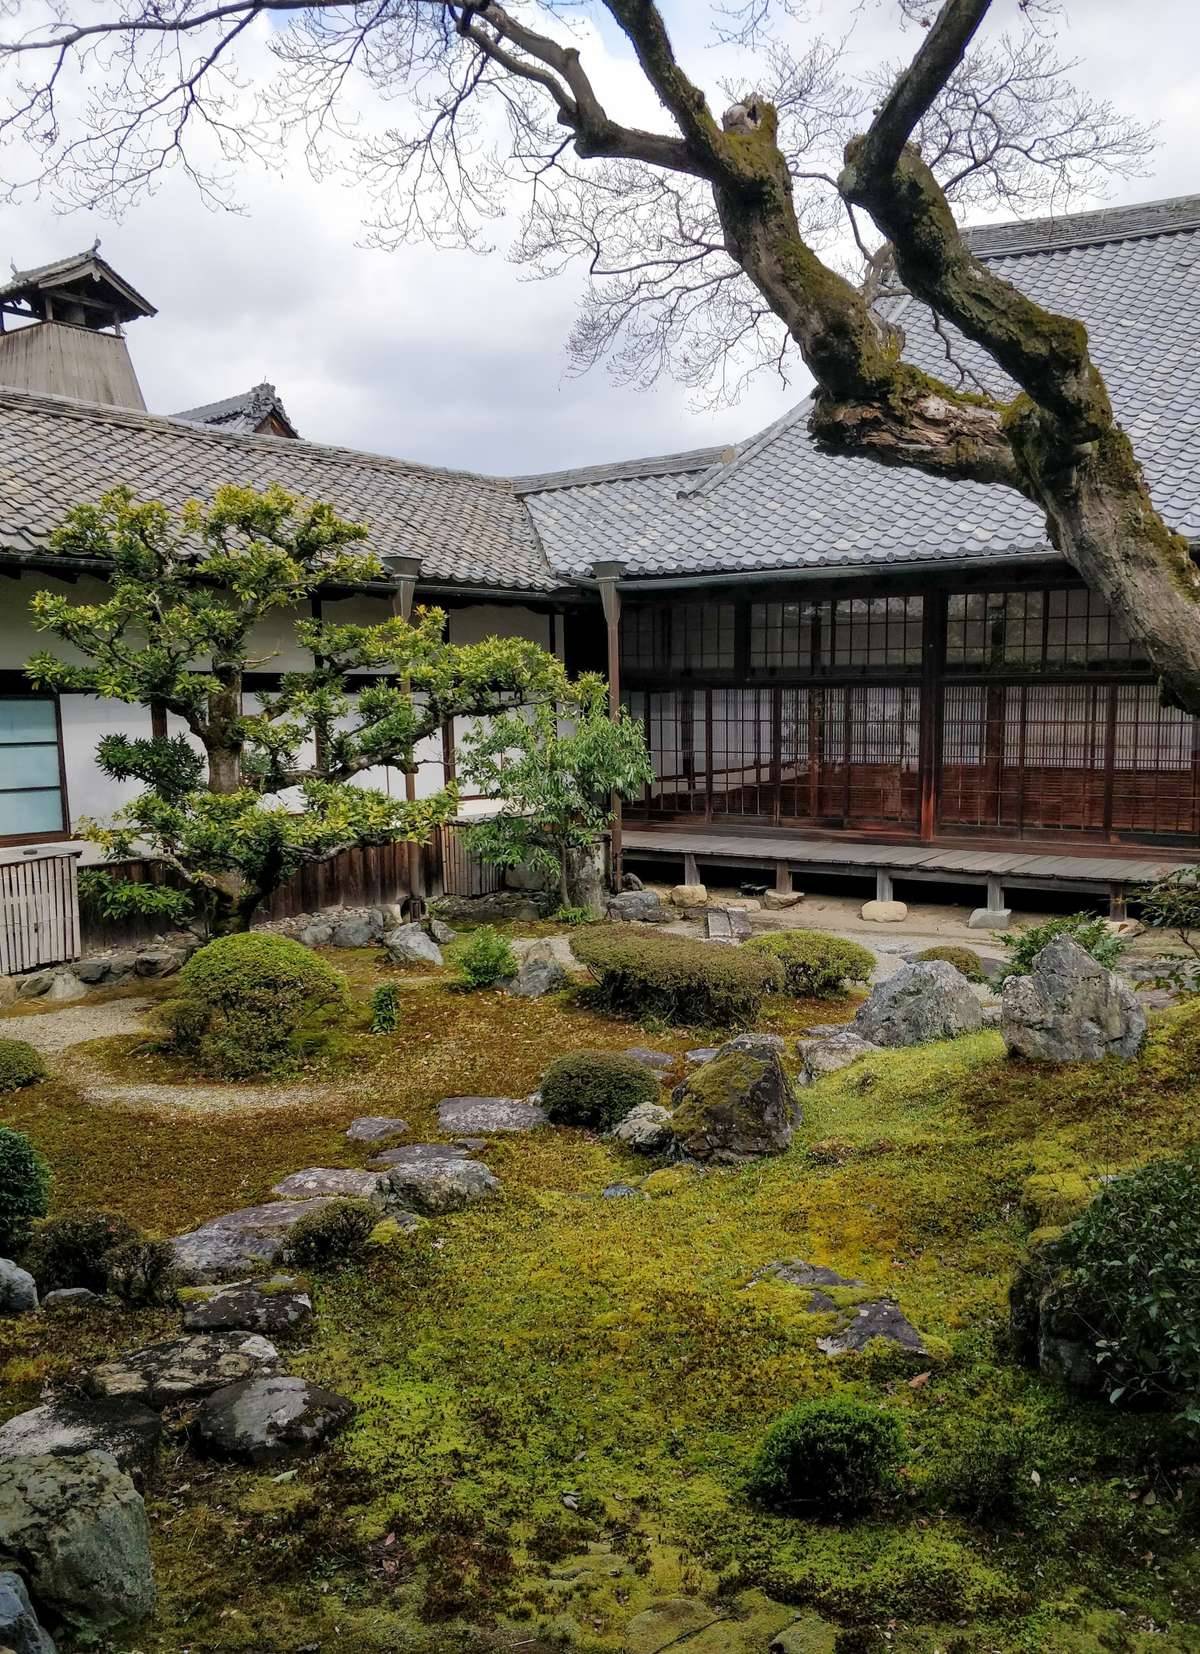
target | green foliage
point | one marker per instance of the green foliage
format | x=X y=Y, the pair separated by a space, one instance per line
x=828 y=1458
x=333 y=1234
x=104 y=894
x=73 y=1250
x=260 y=552
x=675 y=979
x=142 y=1273
x=485 y=959
x=20 y=1065
x=596 y=1089
x=385 y=1008
x=987 y=1469
x=553 y=771
x=1091 y=933
x=24 y=1188
x=244 y=999
x=1132 y=1267
x=573 y=916
x=1173 y=903
x=815 y=966
x=964 y=960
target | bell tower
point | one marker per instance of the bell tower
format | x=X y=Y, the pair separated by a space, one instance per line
x=72 y=342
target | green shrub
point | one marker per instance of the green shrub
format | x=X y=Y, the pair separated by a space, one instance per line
x=142 y=1273
x=333 y=1234
x=20 y=1065
x=828 y=1458
x=987 y=1470
x=816 y=966
x=596 y=1089
x=244 y=999
x=385 y=1009
x=964 y=960
x=574 y=916
x=1128 y=1270
x=73 y=1250
x=673 y=979
x=24 y=1188
x=1092 y=934
x=486 y=959
x=1173 y=903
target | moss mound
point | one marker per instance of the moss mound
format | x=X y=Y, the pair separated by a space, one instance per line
x=674 y=978
x=832 y=1458
x=965 y=960
x=596 y=1089
x=20 y=1065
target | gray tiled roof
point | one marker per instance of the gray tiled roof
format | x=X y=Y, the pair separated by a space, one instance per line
x=779 y=504
x=75 y=265
x=244 y=413
x=54 y=453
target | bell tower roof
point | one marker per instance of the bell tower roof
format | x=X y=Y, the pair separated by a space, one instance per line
x=83 y=290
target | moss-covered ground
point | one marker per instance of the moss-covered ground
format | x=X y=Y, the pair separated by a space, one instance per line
x=559 y=1394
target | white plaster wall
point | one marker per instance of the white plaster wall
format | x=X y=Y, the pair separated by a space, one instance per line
x=18 y=639
x=482 y=620
x=84 y=720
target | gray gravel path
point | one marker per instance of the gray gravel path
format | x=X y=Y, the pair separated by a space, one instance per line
x=53 y=1031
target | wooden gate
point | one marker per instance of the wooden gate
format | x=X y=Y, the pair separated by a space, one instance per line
x=39 y=911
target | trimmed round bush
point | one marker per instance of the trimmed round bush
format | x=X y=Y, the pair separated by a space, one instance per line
x=73 y=1250
x=596 y=1089
x=244 y=999
x=20 y=1065
x=828 y=1458
x=486 y=959
x=675 y=979
x=965 y=960
x=24 y=1188
x=332 y=1234
x=815 y=966
x=143 y=1273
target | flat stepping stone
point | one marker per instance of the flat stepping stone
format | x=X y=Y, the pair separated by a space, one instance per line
x=469 y=1114
x=659 y=1061
x=337 y=1182
x=375 y=1128
x=72 y=1297
x=879 y=1319
x=278 y=1307
x=234 y=1244
x=183 y=1368
x=128 y=1430
x=807 y=1277
x=831 y=1052
x=666 y=1623
x=262 y=1420
x=439 y=1185
x=421 y=1154
x=701 y=1055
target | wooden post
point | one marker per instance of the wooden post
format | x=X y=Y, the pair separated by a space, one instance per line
x=405 y=570
x=691 y=870
x=783 y=878
x=606 y=576
x=883 y=885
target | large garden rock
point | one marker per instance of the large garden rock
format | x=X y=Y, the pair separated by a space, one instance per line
x=463 y=1116
x=336 y=1182
x=423 y=1154
x=495 y=908
x=278 y=1307
x=85 y=1424
x=638 y=906
x=537 y=976
x=76 y=1529
x=1070 y=1009
x=354 y=933
x=412 y=945
x=265 y=1419
x=72 y=1297
x=183 y=1368
x=236 y=1243
x=727 y=924
x=442 y=1185
x=318 y=933
x=375 y=1128
x=20 y=1629
x=646 y=1128
x=18 y=1289
x=925 y=1000
x=159 y=961
x=738 y=1106
x=831 y=1052
x=58 y=985
x=881 y=1318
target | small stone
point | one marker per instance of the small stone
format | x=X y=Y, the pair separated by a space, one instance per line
x=20 y=1630
x=126 y=1429
x=702 y=1054
x=826 y=1056
x=646 y=1128
x=884 y=913
x=638 y=906
x=881 y=1318
x=630 y=881
x=337 y=1182
x=91 y=971
x=375 y=1128
x=318 y=934
x=76 y=1528
x=158 y=962
x=622 y=1191
x=688 y=895
x=660 y=1061
x=423 y=1154
x=990 y=918
x=262 y=1420
x=183 y=1368
x=438 y=1186
x=411 y=945
x=779 y=901
x=18 y=1290
x=489 y=1114
x=72 y=1297
x=439 y=932
x=727 y=924
x=277 y=1306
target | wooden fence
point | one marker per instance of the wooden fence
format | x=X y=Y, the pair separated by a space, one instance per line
x=39 y=912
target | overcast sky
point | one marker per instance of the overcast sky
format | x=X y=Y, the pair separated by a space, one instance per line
x=458 y=359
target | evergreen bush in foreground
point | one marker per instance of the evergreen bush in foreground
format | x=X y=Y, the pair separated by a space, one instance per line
x=24 y=1188
x=675 y=979
x=20 y=1065
x=828 y=1458
x=816 y=966
x=596 y=1089
x=73 y=1250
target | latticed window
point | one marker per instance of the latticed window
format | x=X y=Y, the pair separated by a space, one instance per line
x=1067 y=629
x=854 y=634
x=678 y=637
